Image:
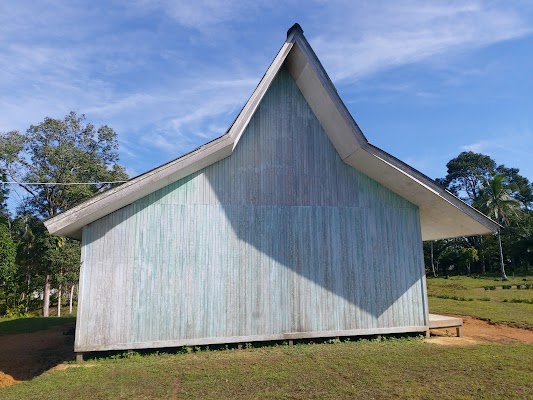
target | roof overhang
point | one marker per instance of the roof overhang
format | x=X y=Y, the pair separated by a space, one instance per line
x=442 y=215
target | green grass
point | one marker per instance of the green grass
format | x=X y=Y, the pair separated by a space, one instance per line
x=32 y=324
x=403 y=369
x=466 y=296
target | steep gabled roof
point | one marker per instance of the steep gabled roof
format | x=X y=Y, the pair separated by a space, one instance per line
x=442 y=215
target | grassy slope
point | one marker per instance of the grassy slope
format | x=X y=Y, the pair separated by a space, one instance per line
x=499 y=307
x=390 y=369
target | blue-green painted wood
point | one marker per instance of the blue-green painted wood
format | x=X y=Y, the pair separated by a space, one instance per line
x=281 y=237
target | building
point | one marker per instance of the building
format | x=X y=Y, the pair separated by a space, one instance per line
x=290 y=225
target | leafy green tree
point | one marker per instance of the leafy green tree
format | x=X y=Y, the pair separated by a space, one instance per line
x=501 y=193
x=496 y=201
x=64 y=258
x=59 y=153
x=469 y=255
x=4 y=191
x=31 y=240
x=7 y=271
x=467 y=173
x=48 y=162
x=521 y=188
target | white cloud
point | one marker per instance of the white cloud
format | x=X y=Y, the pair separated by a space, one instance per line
x=194 y=116
x=406 y=32
x=140 y=67
x=512 y=148
x=512 y=143
x=202 y=14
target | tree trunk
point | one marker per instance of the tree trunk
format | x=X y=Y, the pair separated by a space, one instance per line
x=502 y=265
x=483 y=269
x=28 y=298
x=70 y=299
x=46 y=296
x=432 y=263
x=59 y=300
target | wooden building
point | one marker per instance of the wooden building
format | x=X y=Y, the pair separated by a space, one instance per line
x=290 y=225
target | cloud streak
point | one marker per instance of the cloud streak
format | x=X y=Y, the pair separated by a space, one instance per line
x=406 y=32
x=171 y=75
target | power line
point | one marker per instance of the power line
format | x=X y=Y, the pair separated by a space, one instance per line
x=59 y=183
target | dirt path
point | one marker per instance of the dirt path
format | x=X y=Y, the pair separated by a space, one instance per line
x=476 y=331
x=26 y=355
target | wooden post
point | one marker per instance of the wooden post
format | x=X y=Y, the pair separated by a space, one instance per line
x=428 y=334
x=290 y=342
x=459 y=331
x=79 y=357
x=378 y=337
x=239 y=346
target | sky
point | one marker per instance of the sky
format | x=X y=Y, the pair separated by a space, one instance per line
x=423 y=80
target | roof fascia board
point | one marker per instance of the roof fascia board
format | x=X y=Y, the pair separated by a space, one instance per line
x=240 y=124
x=351 y=144
x=70 y=222
x=442 y=215
x=322 y=97
x=339 y=125
x=428 y=183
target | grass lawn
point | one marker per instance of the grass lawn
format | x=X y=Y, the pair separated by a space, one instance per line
x=394 y=368
x=467 y=296
x=367 y=369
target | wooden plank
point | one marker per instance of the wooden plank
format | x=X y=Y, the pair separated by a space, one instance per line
x=250 y=339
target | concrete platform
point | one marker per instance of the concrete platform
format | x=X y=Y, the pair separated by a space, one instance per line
x=442 y=321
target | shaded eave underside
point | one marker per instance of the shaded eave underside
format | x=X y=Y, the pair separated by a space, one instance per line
x=442 y=215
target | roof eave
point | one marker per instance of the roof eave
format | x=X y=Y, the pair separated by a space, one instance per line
x=438 y=207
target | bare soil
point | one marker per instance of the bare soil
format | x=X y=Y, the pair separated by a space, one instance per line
x=476 y=331
x=24 y=356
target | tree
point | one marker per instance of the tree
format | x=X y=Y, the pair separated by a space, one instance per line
x=4 y=191
x=496 y=201
x=49 y=161
x=65 y=262
x=7 y=271
x=522 y=190
x=58 y=153
x=467 y=173
x=468 y=256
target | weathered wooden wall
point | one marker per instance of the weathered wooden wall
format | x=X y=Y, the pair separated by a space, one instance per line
x=281 y=239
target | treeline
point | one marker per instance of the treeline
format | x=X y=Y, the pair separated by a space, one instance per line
x=500 y=193
x=50 y=168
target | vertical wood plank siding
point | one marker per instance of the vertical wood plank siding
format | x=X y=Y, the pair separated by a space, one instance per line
x=281 y=237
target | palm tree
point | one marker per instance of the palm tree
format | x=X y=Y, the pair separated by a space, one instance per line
x=496 y=201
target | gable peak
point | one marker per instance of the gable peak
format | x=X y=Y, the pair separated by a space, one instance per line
x=295 y=28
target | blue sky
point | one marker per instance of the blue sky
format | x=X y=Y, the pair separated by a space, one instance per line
x=424 y=80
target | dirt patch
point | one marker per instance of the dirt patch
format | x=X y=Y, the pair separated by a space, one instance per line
x=476 y=331
x=27 y=355
x=62 y=367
